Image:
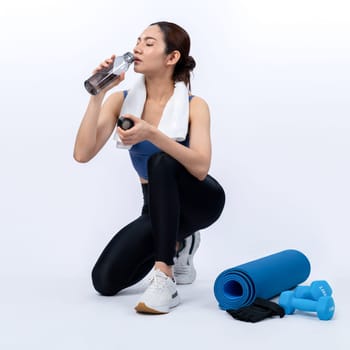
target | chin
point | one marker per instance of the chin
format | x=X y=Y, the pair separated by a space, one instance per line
x=137 y=69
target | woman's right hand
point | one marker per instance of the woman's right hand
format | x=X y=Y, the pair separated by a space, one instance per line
x=105 y=64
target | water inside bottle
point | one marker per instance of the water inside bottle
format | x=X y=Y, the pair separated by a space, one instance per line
x=99 y=80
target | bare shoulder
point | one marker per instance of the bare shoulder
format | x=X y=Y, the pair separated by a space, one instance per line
x=197 y=101
x=199 y=108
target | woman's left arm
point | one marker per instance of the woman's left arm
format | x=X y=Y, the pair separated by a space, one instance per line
x=197 y=157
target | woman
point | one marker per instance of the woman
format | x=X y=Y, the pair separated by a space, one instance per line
x=180 y=197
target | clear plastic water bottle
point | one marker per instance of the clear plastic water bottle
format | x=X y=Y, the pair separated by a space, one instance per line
x=104 y=77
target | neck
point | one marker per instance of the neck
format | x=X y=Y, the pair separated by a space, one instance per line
x=159 y=89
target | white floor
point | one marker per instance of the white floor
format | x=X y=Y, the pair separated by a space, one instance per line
x=42 y=312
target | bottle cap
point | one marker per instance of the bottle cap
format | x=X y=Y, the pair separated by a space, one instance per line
x=129 y=57
x=125 y=123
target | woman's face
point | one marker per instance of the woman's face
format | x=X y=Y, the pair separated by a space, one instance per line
x=149 y=51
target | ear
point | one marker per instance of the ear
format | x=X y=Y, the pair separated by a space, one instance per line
x=173 y=58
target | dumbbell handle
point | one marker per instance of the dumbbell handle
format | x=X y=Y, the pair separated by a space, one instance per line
x=304 y=304
x=303 y=292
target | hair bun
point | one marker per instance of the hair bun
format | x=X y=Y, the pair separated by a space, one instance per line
x=190 y=63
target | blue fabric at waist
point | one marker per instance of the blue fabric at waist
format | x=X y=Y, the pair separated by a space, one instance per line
x=141 y=152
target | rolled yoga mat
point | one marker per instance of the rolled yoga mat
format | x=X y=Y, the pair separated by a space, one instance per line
x=265 y=278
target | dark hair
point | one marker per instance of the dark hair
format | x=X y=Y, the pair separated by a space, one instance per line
x=176 y=38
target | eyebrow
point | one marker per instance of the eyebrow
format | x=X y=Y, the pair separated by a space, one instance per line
x=147 y=37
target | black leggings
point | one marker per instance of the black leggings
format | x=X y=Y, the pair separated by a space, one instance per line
x=176 y=204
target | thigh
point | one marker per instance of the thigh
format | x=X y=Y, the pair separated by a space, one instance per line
x=201 y=202
x=197 y=204
x=126 y=259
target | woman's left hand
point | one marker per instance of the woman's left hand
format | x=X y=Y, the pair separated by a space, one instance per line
x=141 y=131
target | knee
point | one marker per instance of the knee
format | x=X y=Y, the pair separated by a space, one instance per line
x=161 y=163
x=217 y=197
x=221 y=196
x=103 y=282
x=221 y=199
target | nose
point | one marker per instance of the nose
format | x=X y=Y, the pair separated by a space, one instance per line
x=137 y=49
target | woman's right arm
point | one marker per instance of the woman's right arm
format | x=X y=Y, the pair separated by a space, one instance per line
x=99 y=119
x=97 y=125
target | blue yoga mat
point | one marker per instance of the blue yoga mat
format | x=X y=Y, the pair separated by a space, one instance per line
x=266 y=278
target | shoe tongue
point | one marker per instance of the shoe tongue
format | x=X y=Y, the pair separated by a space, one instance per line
x=161 y=274
x=160 y=278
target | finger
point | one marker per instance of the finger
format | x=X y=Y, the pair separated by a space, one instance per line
x=106 y=64
x=128 y=133
x=122 y=133
x=100 y=67
x=115 y=82
x=118 y=80
x=125 y=140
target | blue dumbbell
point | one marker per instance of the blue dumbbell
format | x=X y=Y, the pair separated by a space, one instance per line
x=315 y=291
x=324 y=306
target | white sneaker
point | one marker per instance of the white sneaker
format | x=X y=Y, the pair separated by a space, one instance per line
x=184 y=271
x=160 y=296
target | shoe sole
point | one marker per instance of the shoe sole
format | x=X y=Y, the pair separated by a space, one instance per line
x=142 y=308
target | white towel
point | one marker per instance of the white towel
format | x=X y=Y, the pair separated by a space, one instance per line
x=175 y=117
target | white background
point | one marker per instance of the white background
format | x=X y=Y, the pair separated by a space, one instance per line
x=276 y=75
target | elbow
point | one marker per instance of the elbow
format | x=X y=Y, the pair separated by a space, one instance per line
x=201 y=176
x=201 y=173
x=83 y=154
x=201 y=169
x=80 y=158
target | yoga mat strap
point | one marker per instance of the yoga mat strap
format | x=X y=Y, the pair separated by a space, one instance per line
x=258 y=311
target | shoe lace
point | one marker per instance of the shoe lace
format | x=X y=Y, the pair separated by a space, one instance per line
x=157 y=281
